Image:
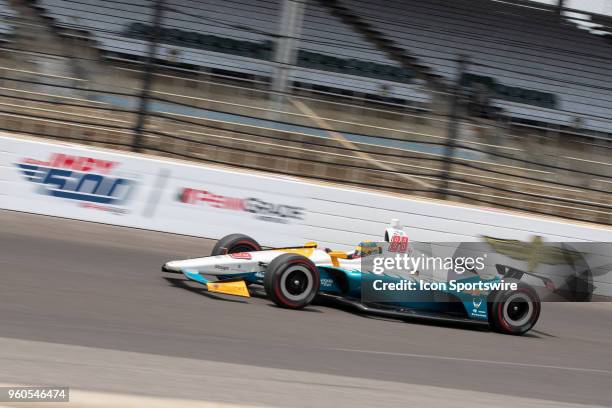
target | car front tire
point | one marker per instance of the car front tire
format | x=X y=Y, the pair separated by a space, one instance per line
x=291 y=281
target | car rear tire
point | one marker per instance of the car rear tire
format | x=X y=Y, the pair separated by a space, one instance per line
x=291 y=281
x=235 y=243
x=514 y=311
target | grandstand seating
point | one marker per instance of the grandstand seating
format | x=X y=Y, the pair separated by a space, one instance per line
x=6 y=28
x=547 y=69
x=238 y=36
x=539 y=68
x=199 y=117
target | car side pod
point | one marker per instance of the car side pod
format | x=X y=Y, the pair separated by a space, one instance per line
x=402 y=314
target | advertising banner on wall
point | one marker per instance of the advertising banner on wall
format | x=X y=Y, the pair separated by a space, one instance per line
x=100 y=185
x=68 y=181
x=200 y=201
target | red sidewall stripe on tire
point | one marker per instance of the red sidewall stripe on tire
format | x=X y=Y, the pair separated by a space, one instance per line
x=248 y=243
x=277 y=290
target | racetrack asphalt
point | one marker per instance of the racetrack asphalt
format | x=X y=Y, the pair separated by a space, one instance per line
x=87 y=304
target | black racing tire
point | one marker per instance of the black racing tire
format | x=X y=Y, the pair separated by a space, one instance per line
x=235 y=243
x=514 y=311
x=292 y=281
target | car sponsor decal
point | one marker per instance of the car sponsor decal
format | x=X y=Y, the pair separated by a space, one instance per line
x=86 y=180
x=241 y=255
x=479 y=308
x=261 y=209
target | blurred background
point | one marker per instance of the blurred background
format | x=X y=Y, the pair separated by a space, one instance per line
x=498 y=103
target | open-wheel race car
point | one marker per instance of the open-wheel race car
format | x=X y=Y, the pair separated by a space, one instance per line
x=293 y=277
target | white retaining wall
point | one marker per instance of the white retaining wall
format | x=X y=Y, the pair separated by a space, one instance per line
x=335 y=216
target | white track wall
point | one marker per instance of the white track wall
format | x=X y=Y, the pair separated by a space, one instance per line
x=334 y=216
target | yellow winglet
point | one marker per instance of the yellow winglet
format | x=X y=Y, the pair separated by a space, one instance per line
x=237 y=288
x=311 y=244
x=334 y=255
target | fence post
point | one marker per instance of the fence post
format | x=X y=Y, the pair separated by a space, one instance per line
x=286 y=48
x=147 y=77
x=454 y=117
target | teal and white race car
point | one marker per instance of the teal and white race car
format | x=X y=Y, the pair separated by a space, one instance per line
x=293 y=277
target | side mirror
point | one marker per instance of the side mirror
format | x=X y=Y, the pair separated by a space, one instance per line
x=335 y=255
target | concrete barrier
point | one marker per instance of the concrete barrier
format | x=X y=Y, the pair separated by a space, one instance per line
x=94 y=184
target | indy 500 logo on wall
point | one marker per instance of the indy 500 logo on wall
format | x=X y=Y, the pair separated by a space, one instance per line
x=89 y=182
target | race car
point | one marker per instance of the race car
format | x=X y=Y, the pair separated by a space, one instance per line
x=293 y=277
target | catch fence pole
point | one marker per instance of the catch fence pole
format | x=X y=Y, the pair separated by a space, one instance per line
x=453 y=125
x=147 y=77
